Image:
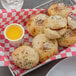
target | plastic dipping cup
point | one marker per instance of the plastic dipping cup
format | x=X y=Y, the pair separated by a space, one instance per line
x=14 y=33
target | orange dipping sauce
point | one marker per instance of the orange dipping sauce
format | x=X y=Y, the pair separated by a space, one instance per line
x=13 y=32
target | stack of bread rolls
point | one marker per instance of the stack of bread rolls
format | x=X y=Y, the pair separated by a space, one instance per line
x=49 y=31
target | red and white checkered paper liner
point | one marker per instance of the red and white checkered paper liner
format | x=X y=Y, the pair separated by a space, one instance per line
x=6 y=49
x=3 y=60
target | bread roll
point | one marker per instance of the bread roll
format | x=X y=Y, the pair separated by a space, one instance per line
x=72 y=20
x=59 y=9
x=68 y=39
x=46 y=48
x=25 y=57
x=35 y=24
x=55 y=26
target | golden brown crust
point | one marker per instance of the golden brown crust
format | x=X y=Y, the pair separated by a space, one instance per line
x=59 y=9
x=34 y=24
x=46 y=48
x=68 y=39
x=25 y=57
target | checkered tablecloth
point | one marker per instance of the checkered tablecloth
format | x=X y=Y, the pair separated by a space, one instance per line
x=20 y=17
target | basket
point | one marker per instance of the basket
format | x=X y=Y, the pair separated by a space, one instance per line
x=21 y=17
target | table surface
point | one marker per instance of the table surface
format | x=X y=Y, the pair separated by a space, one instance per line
x=44 y=69
x=30 y=3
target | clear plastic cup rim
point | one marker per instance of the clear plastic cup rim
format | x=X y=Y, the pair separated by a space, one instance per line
x=16 y=25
